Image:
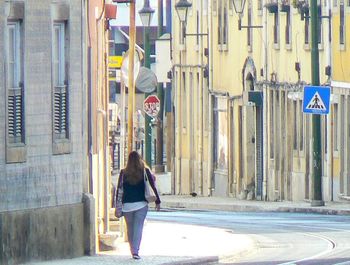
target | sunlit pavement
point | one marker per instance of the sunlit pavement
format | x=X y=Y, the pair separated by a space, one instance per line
x=168 y=243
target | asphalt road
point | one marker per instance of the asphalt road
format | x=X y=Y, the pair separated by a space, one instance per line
x=280 y=238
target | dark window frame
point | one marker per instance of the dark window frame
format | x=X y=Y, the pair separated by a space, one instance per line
x=342 y=23
x=60 y=106
x=14 y=81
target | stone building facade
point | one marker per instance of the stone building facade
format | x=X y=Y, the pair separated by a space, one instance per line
x=42 y=131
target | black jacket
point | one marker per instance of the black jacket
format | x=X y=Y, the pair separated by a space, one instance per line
x=129 y=193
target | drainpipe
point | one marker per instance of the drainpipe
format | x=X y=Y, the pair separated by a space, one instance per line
x=210 y=118
x=178 y=115
x=329 y=165
x=106 y=135
x=179 y=129
x=104 y=113
x=265 y=109
x=200 y=61
x=101 y=190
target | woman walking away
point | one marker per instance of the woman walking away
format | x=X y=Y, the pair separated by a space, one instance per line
x=134 y=204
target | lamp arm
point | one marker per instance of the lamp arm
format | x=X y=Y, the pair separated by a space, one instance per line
x=196 y=34
x=247 y=27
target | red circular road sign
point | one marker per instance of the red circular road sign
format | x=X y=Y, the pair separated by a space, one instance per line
x=151 y=105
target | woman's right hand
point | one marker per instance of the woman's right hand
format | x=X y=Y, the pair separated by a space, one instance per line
x=157 y=207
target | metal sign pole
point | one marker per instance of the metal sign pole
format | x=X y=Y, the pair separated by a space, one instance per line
x=316 y=119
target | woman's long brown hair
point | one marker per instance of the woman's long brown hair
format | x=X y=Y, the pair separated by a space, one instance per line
x=134 y=168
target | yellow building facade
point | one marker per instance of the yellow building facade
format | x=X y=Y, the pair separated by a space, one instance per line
x=255 y=140
x=191 y=99
x=339 y=118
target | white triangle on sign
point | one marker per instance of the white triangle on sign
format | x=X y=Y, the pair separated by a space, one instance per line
x=316 y=103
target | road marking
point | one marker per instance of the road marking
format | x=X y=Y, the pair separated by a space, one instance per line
x=331 y=246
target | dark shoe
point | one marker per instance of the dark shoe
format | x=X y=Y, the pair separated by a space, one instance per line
x=136 y=256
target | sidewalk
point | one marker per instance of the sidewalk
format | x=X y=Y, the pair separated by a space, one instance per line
x=171 y=244
x=232 y=204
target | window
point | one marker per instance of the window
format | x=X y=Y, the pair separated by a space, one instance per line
x=221 y=143
x=276 y=28
x=249 y=30
x=341 y=127
x=306 y=31
x=184 y=101
x=15 y=99
x=342 y=24
x=298 y=123
x=200 y=97
x=222 y=25
x=197 y=18
x=301 y=127
x=319 y=27
x=295 y=125
x=176 y=107
x=60 y=94
x=272 y=124
x=335 y=128
x=288 y=29
x=277 y=124
x=225 y=26
x=205 y=105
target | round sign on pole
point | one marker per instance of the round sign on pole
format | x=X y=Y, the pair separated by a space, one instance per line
x=151 y=105
x=146 y=80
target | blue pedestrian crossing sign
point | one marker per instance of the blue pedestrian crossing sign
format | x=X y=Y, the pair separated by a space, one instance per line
x=316 y=99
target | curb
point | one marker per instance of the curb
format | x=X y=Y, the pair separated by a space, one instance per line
x=195 y=261
x=325 y=211
x=252 y=208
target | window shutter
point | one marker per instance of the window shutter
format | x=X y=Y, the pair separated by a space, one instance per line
x=60 y=112
x=15 y=115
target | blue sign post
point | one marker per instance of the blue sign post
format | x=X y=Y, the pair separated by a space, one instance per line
x=316 y=99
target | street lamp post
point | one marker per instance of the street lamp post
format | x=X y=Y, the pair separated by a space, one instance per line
x=159 y=167
x=146 y=14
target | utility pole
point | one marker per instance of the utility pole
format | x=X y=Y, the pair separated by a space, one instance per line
x=316 y=119
x=160 y=93
x=131 y=85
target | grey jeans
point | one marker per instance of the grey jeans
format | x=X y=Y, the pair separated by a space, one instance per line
x=134 y=224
